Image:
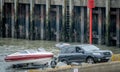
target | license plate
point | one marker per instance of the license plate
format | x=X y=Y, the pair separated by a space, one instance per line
x=107 y=57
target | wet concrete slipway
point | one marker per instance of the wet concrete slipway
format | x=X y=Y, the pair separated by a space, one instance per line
x=8 y=46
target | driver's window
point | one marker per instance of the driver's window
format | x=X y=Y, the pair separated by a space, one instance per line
x=78 y=49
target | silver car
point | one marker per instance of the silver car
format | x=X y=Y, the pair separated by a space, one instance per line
x=83 y=53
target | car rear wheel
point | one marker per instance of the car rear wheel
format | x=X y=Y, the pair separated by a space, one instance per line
x=66 y=62
x=90 y=60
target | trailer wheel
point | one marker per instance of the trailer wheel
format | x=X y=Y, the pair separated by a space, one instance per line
x=53 y=64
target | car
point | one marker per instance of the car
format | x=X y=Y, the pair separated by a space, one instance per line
x=83 y=53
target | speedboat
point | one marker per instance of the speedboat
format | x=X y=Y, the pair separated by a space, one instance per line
x=39 y=56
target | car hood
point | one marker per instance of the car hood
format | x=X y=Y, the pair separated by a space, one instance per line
x=100 y=51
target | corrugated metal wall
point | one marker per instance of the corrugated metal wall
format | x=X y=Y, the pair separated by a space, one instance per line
x=56 y=29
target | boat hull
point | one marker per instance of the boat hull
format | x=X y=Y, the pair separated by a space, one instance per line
x=29 y=56
x=34 y=61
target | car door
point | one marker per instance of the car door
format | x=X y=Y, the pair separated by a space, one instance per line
x=80 y=56
x=70 y=54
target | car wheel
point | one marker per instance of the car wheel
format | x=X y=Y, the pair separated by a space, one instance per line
x=66 y=62
x=90 y=60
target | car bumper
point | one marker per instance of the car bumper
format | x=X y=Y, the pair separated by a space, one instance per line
x=102 y=59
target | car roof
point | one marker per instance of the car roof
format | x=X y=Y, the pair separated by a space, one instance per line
x=83 y=45
x=79 y=45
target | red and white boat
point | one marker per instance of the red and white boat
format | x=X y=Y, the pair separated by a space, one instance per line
x=29 y=56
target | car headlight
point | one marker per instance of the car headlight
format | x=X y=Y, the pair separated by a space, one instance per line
x=111 y=52
x=96 y=53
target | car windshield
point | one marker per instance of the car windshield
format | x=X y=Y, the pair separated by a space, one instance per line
x=90 y=48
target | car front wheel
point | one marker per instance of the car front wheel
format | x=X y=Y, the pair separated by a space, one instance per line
x=90 y=60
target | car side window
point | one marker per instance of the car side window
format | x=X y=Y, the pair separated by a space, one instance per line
x=66 y=49
x=78 y=49
x=71 y=50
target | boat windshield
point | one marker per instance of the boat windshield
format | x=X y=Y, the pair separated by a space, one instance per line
x=23 y=52
x=32 y=51
x=41 y=50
